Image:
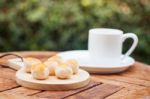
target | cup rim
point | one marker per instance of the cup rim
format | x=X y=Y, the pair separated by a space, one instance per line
x=107 y=31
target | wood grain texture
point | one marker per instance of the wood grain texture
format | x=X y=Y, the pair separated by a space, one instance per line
x=139 y=71
x=117 y=83
x=134 y=83
x=6 y=95
x=98 y=92
x=7 y=73
x=127 y=93
x=6 y=84
x=126 y=79
x=23 y=91
x=64 y=94
x=7 y=79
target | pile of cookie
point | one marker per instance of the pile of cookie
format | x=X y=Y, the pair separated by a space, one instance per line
x=53 y=66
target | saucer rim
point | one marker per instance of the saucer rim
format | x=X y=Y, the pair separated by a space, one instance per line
x=101 y=67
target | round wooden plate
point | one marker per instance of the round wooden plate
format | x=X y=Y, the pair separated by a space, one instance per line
x=52 y=83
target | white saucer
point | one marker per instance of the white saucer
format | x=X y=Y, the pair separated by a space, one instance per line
x=82 y=56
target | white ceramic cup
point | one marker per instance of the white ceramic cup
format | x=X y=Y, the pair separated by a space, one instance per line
x=105 y=45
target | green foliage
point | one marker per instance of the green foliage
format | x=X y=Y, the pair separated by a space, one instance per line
x=64 y=24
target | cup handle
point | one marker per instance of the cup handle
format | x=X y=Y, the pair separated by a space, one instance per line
x=134 y=44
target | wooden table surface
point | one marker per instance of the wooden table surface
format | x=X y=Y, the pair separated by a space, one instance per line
x=131 y=84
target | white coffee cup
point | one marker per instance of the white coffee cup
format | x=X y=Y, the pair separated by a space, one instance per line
x=105 y=45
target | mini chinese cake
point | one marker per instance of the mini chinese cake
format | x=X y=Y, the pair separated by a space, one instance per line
x=28 y=62
x=74 y=65
x=63 y=71
x=39 y=71
x=51 y=65
x=54 y=66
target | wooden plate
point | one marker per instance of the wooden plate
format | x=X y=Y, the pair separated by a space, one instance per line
x=52 y=83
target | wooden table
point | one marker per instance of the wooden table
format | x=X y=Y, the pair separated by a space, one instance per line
x=131 y=84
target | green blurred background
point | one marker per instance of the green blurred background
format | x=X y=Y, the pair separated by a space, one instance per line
x=63 y=24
